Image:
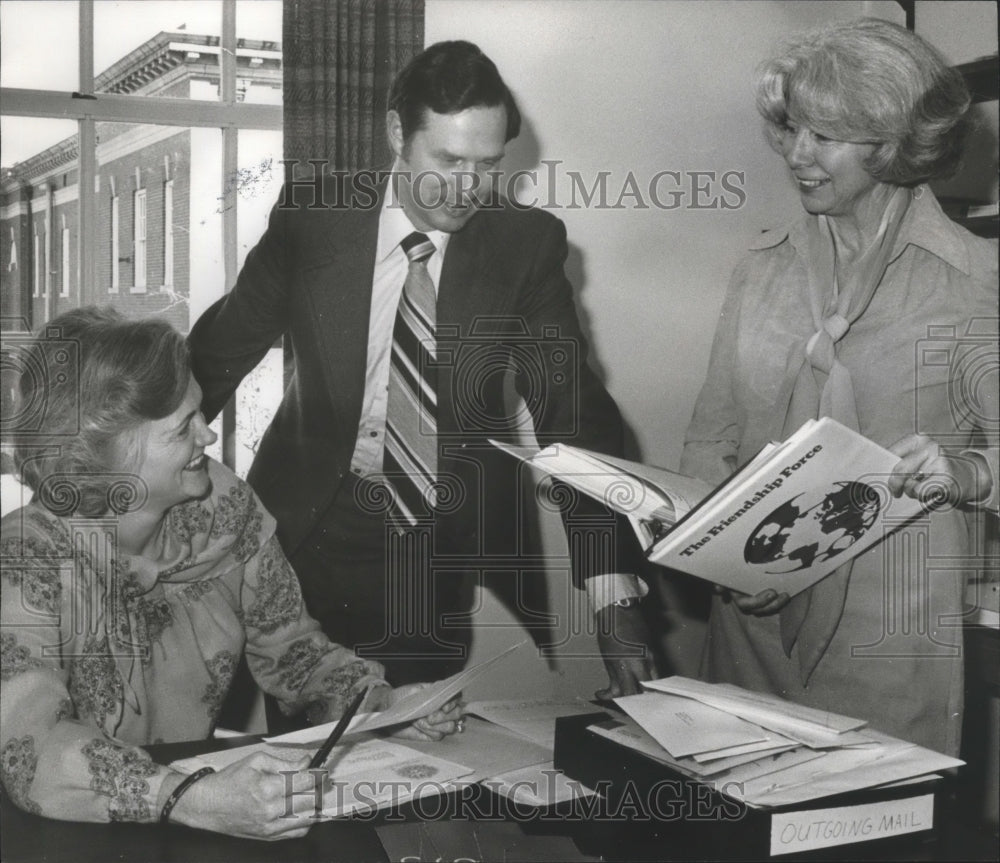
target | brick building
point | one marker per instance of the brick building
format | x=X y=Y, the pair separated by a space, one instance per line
x=158 y=192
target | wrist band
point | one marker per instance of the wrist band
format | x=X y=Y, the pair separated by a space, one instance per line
x=188 y=781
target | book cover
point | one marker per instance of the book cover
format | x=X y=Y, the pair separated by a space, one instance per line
x=816 y=501
x=786 y=519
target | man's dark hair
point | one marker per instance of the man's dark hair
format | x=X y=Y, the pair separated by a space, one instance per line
x=446 y=78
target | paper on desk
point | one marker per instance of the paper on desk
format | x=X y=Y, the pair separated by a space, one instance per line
x=488 y=749
x=684 y=726
x=533 y=718
x=816 y=728
x=421 y=703
x=539 y=785
x=363 y=776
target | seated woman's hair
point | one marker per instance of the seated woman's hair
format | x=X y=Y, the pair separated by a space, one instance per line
x=88 y=381
x=870 y=81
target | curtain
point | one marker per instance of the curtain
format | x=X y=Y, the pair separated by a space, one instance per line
x=340 y=58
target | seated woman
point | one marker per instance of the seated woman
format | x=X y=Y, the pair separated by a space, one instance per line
x=132 y=584
x=870 y=309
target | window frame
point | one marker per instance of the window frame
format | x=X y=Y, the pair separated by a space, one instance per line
x=115 y=247
x=168 y=233
x=36 y=276
x=64 y=257
x=89 y=108
x=139 y=251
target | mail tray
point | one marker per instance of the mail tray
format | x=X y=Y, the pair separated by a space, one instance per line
x=648 y=811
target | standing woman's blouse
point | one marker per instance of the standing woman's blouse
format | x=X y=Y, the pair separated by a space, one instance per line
x=920 y=359
x=104 y=653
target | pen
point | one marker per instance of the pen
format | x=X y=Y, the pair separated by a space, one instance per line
x=319 y=759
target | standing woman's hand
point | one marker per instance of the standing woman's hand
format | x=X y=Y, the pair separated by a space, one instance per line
x=762 y=604
x=931 y=476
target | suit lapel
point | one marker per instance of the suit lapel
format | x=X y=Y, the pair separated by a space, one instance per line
x=340 y=292
x=468 y=287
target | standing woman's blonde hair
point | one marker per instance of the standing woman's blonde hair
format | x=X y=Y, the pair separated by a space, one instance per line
x=874 y=82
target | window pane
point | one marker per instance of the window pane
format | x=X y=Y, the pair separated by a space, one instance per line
x=155 y=173
x=38 y=203
x=258 y=55
x=32 y=35
x=135 y=162
x=167 y=48
x=258 y=184
x=171 y=49
x=25 y=137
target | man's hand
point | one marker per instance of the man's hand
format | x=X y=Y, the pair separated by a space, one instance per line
x=623 y=638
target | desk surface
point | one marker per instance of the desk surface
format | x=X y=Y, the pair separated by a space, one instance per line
x=30 y=839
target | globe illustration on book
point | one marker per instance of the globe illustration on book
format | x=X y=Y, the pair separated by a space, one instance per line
x=812 y=528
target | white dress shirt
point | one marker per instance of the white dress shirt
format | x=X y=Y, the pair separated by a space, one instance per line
x=391 y=265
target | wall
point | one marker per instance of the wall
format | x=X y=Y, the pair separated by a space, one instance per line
x=961 y=30
x=635 y=88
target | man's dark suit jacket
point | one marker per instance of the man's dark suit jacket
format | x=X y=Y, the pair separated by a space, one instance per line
x=503 y=299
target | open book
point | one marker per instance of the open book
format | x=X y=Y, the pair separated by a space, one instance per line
x=789 y=517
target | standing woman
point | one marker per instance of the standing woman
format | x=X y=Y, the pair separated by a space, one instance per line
x=848 y=313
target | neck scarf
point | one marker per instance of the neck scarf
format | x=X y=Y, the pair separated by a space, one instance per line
x=816 y=384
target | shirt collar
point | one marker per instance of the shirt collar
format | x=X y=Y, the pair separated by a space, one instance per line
x=394 y=226
x=925 y=226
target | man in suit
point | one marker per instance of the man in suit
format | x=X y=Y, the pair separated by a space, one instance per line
x=329 y=272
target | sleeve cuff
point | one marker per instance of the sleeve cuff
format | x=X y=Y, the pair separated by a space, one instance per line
x=991 y=500
x=613 y=588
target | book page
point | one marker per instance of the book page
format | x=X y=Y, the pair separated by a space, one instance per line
x=420 y=703
x=654 y=499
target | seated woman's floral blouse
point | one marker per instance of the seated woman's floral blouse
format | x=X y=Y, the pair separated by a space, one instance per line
x=102 y=654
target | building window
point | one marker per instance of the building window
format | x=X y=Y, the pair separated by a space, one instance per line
x=115 y=249
x=36 y=262
x=139 y=241
x=64 y=285
x=168 y=233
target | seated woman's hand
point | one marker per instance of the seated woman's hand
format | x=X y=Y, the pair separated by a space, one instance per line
x=926 y=473
x=447 y=719
x=251 y=799
x=760 y=604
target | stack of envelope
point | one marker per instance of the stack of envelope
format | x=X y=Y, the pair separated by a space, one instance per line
x=774 y=752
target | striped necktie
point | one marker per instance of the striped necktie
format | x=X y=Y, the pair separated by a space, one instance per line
x=410 y=461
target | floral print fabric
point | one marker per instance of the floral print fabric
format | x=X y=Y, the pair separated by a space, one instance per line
x=101 y=653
